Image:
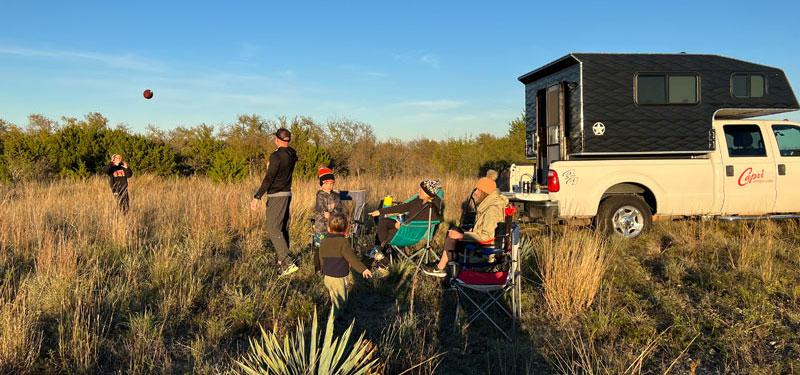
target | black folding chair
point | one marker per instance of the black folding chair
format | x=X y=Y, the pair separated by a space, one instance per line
x=485 y=283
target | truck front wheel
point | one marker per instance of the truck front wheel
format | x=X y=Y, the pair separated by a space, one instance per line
x=624 y=215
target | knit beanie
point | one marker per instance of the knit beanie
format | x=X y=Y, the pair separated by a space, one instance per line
x=431 y=187
x=324 y=173
x=486 y=185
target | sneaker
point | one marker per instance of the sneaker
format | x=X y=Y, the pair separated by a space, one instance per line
x=288 y=269
x=433 y=271
x=376 y=254
x=379 y=265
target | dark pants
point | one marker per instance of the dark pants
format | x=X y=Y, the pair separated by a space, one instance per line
x=123 y=200
x=385 y=231
x=278 y=225
x=453 y=245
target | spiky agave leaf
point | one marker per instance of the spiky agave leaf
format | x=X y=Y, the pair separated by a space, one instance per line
x=296 y=356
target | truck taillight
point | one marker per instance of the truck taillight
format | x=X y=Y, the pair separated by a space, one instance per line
x=552 y=182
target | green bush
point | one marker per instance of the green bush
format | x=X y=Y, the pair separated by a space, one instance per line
x=227 y=167
x=78 y=148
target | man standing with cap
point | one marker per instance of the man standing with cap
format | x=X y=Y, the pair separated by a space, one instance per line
x=277 y=184
x=118 y=174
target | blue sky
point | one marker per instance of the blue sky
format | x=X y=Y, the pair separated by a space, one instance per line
x=410 y=69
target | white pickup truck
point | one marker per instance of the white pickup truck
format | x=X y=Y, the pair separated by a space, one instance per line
x=622 y=139
x=753 y=173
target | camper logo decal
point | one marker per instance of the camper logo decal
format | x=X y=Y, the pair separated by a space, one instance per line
x=749 y=177
x=599 y=128
x=570 y=178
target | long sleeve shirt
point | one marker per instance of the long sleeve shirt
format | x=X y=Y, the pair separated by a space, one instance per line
x=490 y=213
x=117 y=177
x=278 y=178
x=337 y=256
x=323 y=204
x=417 y=209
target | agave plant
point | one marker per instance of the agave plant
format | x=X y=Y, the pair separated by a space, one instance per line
x=329 y=356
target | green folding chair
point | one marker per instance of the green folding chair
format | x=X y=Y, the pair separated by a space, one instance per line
x=412 y=233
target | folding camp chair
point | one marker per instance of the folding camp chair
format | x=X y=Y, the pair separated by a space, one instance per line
x=483 y=285
x=411 y=233
x=469 y=211
x=357 y=225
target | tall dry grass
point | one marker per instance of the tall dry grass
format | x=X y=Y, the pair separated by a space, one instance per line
x=571 y=266
x=188 y=269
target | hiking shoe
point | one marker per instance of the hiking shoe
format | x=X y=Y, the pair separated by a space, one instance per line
x=433 y=271
x=376 y=254
x=288 y=269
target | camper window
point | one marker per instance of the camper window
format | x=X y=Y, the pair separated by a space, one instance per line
x=744 y=141
x=666 y=89
x=745 y=85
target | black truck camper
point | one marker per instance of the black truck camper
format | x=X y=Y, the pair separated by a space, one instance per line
x=591 y=105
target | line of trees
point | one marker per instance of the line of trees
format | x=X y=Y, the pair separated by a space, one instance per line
x=78 y=148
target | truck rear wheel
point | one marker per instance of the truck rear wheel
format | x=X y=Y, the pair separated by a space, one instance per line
x=624 y=215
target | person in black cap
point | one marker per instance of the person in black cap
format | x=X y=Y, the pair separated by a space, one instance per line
x=118 y=174
x=277 y=184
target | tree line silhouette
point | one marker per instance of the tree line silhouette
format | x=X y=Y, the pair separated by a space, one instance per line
x=46 y=149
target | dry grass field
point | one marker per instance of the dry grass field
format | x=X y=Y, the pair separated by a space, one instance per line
x=186 y=279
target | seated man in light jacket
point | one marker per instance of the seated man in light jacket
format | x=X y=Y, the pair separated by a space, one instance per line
x=490 y=212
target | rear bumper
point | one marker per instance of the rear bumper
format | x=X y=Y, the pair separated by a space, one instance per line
x=534 y=206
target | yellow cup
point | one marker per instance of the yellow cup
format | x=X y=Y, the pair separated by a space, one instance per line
x=387 y=201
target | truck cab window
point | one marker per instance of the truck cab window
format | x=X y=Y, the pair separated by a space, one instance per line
x=788 y=137
x=748 y=85
x=744 y=141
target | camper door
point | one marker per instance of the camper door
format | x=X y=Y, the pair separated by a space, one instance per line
x=550 y=126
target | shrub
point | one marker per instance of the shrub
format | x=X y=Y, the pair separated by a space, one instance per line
x=295 y=355
x=227 y=167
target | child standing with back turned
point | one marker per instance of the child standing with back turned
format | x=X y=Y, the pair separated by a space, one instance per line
x=336 y=256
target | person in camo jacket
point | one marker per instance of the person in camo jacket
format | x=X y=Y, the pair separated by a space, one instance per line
x=328 y=202
x=118 y=175
x=277 y=184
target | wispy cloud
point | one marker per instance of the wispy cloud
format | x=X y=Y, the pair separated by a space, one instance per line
x=248 y=51
x=429 y=60
x=464 y=118
x=123 y=61
x=432 y=105
x=360 y=70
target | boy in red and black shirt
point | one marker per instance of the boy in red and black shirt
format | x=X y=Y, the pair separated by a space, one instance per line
x=118 y=174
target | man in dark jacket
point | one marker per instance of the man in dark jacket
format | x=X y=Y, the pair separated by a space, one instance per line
x=118 y=174
x=277 y=184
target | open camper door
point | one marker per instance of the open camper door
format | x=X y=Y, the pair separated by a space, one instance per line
x=550 y=128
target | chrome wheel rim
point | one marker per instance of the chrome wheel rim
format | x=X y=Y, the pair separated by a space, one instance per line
x=628 y=221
